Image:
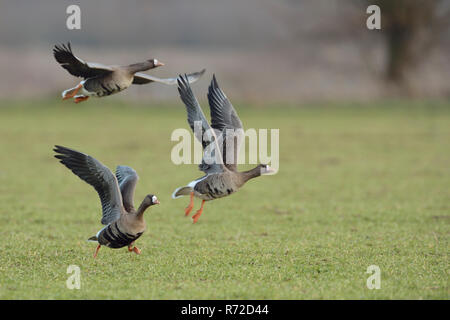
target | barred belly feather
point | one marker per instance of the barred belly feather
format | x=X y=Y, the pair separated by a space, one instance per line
x=112 y=237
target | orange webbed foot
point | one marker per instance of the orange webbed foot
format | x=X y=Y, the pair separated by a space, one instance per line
x=136 y=250
x=197 y=215
x=188 y=210
x=72 y=92
x=81 y=99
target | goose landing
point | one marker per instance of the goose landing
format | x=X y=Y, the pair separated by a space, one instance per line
x=221 y=179
x=123 y=224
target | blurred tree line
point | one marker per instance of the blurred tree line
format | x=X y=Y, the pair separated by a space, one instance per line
x=411 y=28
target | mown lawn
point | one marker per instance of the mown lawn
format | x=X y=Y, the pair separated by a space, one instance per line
x=359 y=185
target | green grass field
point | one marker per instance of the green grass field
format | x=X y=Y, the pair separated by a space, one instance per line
x=358 y=185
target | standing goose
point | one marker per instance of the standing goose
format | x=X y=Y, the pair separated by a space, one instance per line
x=222 y=177
x=100 y=80
x=123 y=224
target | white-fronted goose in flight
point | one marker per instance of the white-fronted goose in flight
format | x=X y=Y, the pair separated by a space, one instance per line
x=222 y=177
x=123 y=224
x=100 y=80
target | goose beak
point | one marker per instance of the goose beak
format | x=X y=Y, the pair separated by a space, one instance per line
x=270 y=170
x=156 y=202
x=159 y=64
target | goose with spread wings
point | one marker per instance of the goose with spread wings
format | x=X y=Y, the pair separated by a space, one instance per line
x=123 y=223
x=220 y=141
x=102 y=80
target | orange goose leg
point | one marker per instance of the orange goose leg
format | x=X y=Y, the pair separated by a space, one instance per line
x=81 y=99
x=198 y=213
x=190 y=206
x=135 y=249
x=72 y=94
x=96 y=251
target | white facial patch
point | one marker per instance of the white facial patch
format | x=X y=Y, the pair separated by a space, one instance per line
x=155 y=61
x=266 y=169
x=154 y=199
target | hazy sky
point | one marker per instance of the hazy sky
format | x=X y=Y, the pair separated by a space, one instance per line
x=305 y=49
x=243 y=23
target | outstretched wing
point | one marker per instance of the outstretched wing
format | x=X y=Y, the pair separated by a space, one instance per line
x=212 y=159
x=97 y=175
x=127 y=179
x=77 y=67
x=224 y=118
x=142 y=78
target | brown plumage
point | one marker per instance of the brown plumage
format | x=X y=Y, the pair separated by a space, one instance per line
x=221 y=150
x=123 y=224
x=101 y=80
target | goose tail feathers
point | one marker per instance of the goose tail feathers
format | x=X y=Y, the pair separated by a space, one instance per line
x=93 y=238
x=182 y=191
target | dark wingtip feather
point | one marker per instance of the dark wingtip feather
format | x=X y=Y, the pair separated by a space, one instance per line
x=183 y=83
x=56 y=50
x=213 y=87
x=61 y=149
x=58 y=149
x=216 y=84
x=68 y=153
x=61 y=50
x=60 y=47
x=179 y=80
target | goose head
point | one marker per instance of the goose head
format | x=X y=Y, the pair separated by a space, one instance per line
x=151 y=200
x=257 y=171
x=148 y=201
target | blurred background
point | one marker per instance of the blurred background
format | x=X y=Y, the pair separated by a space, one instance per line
x=262 y=50
x=364 y=149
